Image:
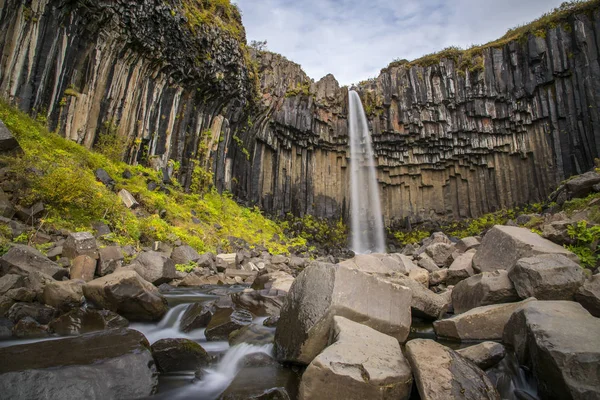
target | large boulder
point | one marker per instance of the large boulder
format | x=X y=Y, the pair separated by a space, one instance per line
x=485 y=355
x=110 y=258
x=114 y=364
x=80 y=244
x=482 y=290
x=588 y=295
x=547 y=277
x=323 y=291
x=360 y=363
x=424 y=304
x=184 y=255
x=277 y=280
x=63 y=295
x=468 y=243
x=257 y=335
x=11 y=281
x=503 y=246
x=80 y=321
x=261 y=303
x=481 y=323
x=39 y=312
x=461 y=268
x=582 y=185
x=154 y=267
x=226 y=320
x=128 y=294
x=440 y=253
x=196 y=316
x=441 y=373
x=559 y=341
x=23 y=260
x=8 y=143
x=174 y=355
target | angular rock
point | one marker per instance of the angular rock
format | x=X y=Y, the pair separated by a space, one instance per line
x=11 y=281
x=359 y=363
x=261 y=303
x=104 y=177
x=582 y=185
x=481 y=323
x=257 y=335
x=174 y=355
x=23 y=260
x=196 y=316
x=6 y=326
x=547 y=277
x=440 y=373
x=83 y=267
x=39 y=312
x=424 y=303
x=8 y=143
x=559 y=341
x=323 y=291
x=128 y=294
x=485 y=355
x=224 y=261
x=420 y=275
x=279 y=259
x=483 y=289
x=115 y=364
x=461 y=268
x=438 y=277
x=503 y=246
x=184 y=255
x=110 y=258
x=558 y=232
x=154 y=267
x=440 y=253
x=588 y=295
x=128 y=200
x=80 y=244
x=29 y=328
x=80 y=321
x=207 y=260
x=226 y=320
x=277 y=280
x=468 y=243
x=63 y=295
x=427 y=263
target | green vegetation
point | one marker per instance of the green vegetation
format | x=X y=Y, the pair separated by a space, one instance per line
x=240 y=145
x=189 y=267
x=110 y=143
x=315 y=231
x=60 y=173
x=414 y=236
x=220 y=13
x=299 y=89
x=586 y=243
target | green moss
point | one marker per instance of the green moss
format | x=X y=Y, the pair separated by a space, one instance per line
x=71 y=92
x=300 y=89
x=189 y=267
x=414 y=236
x=220 y=13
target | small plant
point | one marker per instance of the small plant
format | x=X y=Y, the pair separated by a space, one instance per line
x=414 y=236
x=586 y=243
x=189 y=267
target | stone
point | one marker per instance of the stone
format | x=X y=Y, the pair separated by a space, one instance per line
x=468 y=243
x=261 y=303
x=23 y=260
x=63 y=295
x=83 y=267
x=22 y=294
x=103 y=176
x=128 y=200
x=7 y=209
x=279 y=259
x=224 y=261
x=461 y=268
x=154 y=267
x=109 y=259
x=547 y=277
x=558 y=232
x=80 y=243
x=323 y=291
x=442 y=374
x=481 y=323
x=226 y=320
x=359 y=363
x=128 y=294
x=588 y=295
x=39 y=312
x=80 y=321
x=196 y=316
x=11 y=281
x=101 y=229
x=424 y=303
x=482 y=290
x=582 y=185
x=297 y=262
x=174 y=355
x=184 y=255
x=427 y=263
x=115 y=364
x=207 y=260
x=438 y=277
x=5 y=304
x=559 y=341
x=55 y=253
x=277 y=280
x=503 y=246
x=253 y=334
x=8 y=143
x=485 y=355
x=6 y=327
x=440 y=253
x=28 y=328
x=420 y=275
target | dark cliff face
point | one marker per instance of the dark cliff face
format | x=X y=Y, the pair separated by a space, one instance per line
x=450 y=141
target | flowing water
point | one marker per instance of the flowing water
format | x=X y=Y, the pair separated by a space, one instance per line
x=365 y=208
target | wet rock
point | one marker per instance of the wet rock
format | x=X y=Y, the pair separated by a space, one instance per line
x=252 y=334
x=184 y=255
x=39 y=312
x=110 y=258
x=485 y=355
x=424 y=303
x=461 y=268
x=226 y=320
x=80 y=244
x=271 y=322
x=80 y=321
x=483 y=289
x=114 y=364
x=28 y=328
x=503 y=246
x=128 y=294
x=23 y=260
x=63 y=295
x=440 y=373
x=468 y=243
x=154 y=267
x=588 y=295
x=83 y=267
x=5 y=304
x=266 y=382
x=559 y=341
x=6 y=326
x=128 y=200
x=322 y=291
x=359 y=363
x=261 y=303
x=258 y=360
x=547 y=277
x=277 y=280
x=196 y=316
x=481 y=323
x=173 y=355
x=440 y=253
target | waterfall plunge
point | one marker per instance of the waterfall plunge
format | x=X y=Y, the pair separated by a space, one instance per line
x=365 y=211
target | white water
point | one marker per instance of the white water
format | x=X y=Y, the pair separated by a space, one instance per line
x=365 y=212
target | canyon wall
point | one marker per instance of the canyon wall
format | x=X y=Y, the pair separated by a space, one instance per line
x=451 y=141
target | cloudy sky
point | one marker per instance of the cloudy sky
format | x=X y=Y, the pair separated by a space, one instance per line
x=354 y=39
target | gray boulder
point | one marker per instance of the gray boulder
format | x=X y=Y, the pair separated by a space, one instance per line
x=128 y=200
x=174 y=355
x=154 y=267
x=80 y=321
x=184 y=255
x=559 y=341
x=114 y=364
x=426 y=262
x=424 y=304
x=485 y=355
x=468 y=243
x=196 y=316
x=8 y=143
x=277 y=280
x=588 y=295
x=128 y=294
x=261 y=303
x=226 y=320
x=359 y=363
x=39 y=312
x=442 y=374
x=461 y=268
x=80 y=244
x=481 y=323
x=23 y=260
x=440 y=253
x=323 y=291
x=503 y=246
x=110 y=258
x=582 y=185
x=482 y=290
x=547 y=277
x=257 y=335
x=63 y=295
x=11 y=281
x=29 y=328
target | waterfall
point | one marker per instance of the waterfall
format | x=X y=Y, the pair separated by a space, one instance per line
x=365 y=211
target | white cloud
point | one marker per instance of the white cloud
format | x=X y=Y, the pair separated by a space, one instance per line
x=354 y=39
